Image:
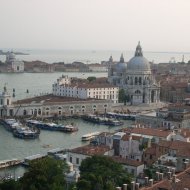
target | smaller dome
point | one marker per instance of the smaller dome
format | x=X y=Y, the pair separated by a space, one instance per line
x=121 y=67
x=10 y=56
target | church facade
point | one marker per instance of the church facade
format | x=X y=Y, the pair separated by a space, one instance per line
x=136 y=78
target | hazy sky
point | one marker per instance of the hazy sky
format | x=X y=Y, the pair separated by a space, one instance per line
x=160 y=25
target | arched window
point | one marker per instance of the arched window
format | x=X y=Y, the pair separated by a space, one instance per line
x=39 y=111
x=140 y=80
x=136 y=80
x=24 y=112
x=137 y=92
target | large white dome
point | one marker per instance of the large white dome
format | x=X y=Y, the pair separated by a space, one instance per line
x=138 y=62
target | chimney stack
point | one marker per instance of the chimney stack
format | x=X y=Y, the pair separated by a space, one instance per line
x=169 y=175
x=137 y=186
x=157 y=176
x=132 y=185
x=174 y=178
x=124 y=186
x=168 y=169
x=146 y=180
x=150 y=182
x=161 y=176
x=173 y=171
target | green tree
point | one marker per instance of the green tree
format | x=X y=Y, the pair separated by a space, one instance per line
x=10 y=185
x=45 y=174
x=91 y=79
x=122 y=96
x=101 y=173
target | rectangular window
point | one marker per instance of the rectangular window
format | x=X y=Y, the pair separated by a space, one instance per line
x=70 y=159
x=77 y=160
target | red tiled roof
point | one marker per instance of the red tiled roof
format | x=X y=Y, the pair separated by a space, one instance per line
x=127 y=161
x=51 y=99
x=182 y=183
x=148 y=131
x=91 y=150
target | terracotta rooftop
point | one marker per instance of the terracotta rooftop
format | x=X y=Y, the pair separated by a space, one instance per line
x=148 y=131
x=127 y=136
x=51 y=99
x=91 y=150
x=127 y=161
x=182 y=148
x=183 y=181
x=185 y=132
x=103 y=134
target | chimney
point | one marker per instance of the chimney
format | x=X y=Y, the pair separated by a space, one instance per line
x=137 y=186
x=132 y=185
x=168 y=169
x=161 y=176
x=157 y=176
x=174 y=178
x=146 y=180
x=118 y=188
x=124 y=186
x=185 y=165
x=169 y=175
x=173 y=171
x=150 y=182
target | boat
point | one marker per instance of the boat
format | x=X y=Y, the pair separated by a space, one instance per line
x=130 y=116
x=102 y=120
x=45 y=126
x=8 y=163
x=26 y=133
x=10 y=124
x=90 y=136
x=70 y=128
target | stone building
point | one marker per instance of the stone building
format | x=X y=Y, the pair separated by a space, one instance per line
x=14 y=65
x=136 y=78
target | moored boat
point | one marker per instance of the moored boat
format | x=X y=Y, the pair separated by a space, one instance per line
x=70 y=128
x=8 y=163
x=102 y=120
x=90 y=136
x=26 y=133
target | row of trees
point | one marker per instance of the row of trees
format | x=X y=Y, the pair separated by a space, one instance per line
x=123 y=98
x=97 y=173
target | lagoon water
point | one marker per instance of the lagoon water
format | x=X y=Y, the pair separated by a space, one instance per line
x=37 y=83
x=41 y=83
x=93 y=56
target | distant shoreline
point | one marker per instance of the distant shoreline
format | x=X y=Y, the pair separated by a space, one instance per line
x=16 y=53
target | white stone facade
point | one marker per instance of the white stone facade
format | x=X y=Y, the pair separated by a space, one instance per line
x=136 y=78
x=130 y=149
x=64 y=87
x=16 y=65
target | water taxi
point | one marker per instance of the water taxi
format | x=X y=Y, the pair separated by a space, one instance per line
x=90 y=136
x=8 y=163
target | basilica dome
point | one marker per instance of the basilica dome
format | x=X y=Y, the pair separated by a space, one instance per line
x=121 y=67
x=138 y=62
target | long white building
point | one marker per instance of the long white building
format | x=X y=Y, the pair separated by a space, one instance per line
x=65 y=87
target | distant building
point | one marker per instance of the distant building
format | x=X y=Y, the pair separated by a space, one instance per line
x=136 y=78
x=14 y=64
x=84 y=90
